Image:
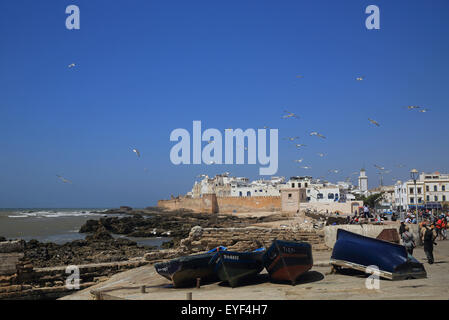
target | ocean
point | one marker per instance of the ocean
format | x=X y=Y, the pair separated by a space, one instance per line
x=55 y=225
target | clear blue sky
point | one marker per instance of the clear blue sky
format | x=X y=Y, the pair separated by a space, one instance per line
x=144 y=68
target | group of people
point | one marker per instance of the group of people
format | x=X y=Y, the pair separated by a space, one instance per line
x=365 y=215
x=429 y=230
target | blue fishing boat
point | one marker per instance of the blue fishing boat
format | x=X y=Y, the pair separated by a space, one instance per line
x=234 y=267
x=359 y=252
x=184 y=271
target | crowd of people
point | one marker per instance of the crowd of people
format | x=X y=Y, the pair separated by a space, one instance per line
x=431 y=228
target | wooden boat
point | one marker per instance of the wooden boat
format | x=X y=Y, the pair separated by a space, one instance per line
x=359 y=252
x=184 y=271
x=287 y=260
x=235 y=267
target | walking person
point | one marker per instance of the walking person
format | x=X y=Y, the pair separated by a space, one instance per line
x=366 y=212
x=408 y=240
x=401 y=229
x=428 y=239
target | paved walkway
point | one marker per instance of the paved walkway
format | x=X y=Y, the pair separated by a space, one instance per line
x=316 y=284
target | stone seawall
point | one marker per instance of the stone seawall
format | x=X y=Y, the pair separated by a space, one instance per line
x=242 y=239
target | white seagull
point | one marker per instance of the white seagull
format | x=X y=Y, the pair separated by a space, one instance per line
x=374 y=122
x=290 y=115
x=314 y=133
x=71 y=65
x=63 y=179
x=136 y=152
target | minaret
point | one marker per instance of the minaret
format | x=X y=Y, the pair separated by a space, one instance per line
x=363 y=181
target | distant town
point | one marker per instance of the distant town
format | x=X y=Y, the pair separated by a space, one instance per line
x=432 y=190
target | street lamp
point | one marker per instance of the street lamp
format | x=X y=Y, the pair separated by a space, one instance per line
x=414 y=175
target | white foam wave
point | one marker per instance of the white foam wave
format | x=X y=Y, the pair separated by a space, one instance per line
x=52 y=214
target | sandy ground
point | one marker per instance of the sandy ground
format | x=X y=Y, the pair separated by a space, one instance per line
x=315 y=284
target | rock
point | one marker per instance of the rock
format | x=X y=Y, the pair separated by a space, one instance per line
x=89 y=226
x=11 y=246
x=100 y=235
x=196 y=233
x=2 y=239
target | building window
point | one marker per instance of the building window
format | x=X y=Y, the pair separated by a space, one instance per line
x=419 y=190
x=427 y=188
x=435 y=188
x=308 y=198
x=248 y=194
x=444 y=198
x=289 y=195
x=305 y=185
x=299 y=185
x=436 y=198
x=411 y=191
x=443 y=188
x=428 y=198
x=293 y=185
x=240 y=193
x=419 y=200
x=319 y=196
x=330 y=196
x=412 y=200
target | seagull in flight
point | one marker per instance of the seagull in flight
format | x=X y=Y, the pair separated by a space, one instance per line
x=333 y=171
x=299 y=160
x=423 y=110
x=374 y=122
x=314 y=133
x=379 y=167
x=291 y=138
x=321 y=154
x=71 y=65
x=63 y=179
x=299 y=145
x=290 y=115
x=413 y=107
x=360 y=78
x=136 y=152
x=299 y=76
x=306 y=167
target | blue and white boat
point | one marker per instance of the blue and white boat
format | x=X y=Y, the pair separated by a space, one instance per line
x=359 y=252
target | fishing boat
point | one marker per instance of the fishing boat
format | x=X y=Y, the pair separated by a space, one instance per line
x=184 y=271
x=359 y=252
x=235 y=267
x=287 y=260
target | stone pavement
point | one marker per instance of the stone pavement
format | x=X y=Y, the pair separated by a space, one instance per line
x=316 y=284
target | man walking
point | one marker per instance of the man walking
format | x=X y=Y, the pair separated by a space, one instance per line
x=428 y=239
x=408 y=241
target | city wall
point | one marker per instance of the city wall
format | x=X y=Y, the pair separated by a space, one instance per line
x=209 y=203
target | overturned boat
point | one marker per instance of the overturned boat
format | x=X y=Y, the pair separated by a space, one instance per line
x=235 y=267
x=287 y=260
x=184 y=271
x=359 y=252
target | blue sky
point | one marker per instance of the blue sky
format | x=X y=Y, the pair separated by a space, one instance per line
x=145 y=68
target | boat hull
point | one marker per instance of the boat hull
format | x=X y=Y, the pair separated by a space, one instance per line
x=359 y=252
x=286 y=260
x=184 y=271
x=235 y=267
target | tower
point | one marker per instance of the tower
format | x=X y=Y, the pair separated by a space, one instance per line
x=363 y=181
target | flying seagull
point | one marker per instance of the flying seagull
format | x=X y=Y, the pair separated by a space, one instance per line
x=423 y=110
x=137 y=152
x=314 y=133
x=71 y=65
x=360 y=78
x=413 y=107
x=290 y=115
x=306 y=167
x=299 y=160
x=291 y=138
x=379 y=167
x=333 y=171
x=63 y=179
x=299 y=145
x=374 y=122
x=321 y=154
x=299 y=76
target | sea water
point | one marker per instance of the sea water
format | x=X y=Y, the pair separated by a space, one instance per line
x=56 y=225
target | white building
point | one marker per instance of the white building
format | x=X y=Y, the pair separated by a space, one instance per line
x=432 y=191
